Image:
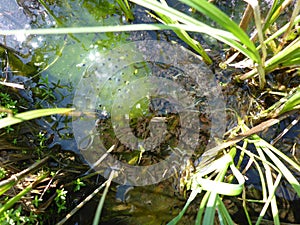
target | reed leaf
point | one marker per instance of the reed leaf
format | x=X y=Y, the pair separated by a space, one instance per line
x=202 y=207
x=126 y=9
x=224 y=215
x=184 y=36
x=284 y=170
x=18 y=196
x=29 y=115
x=289 y=56
x=277 y=7
x=224 y=21
x=224 y=36
x=176 y=219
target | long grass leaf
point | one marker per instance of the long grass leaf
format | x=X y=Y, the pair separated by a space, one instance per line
x=97 y=215
x=221 y=35
x=224 y=212
x=18 y=196
x=293 y=46
x=188 y=202
x=282 y=155
x=270 y=199
x=33 y=114
x=259 y=170
x=6 y=187
x=183 y=35
x=210 y=211
x=81 y=204
x=292 y=103
x=285 y=171
x=274 y=12
x=220 y=187
x=7 y=183
x=212 y=201
x=223 y=20
x=280 y=31
x=257 y=19
x=126 y=9
x=289 y=29
x=202 y=208
x=104 y=29
x=270 y=185
x=287 y=54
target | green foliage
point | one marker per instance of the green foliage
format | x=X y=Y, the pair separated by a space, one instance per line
x=232 y=39
x=233 y=36
x=78 y=184
x=270 y=161
x=11 y=201
x=224 y=21
x=8 y=103
x=183 y=35
x=46 y=88
x=16 y=217
x=8 y=107
x=291 y=103
x=10 y=215
x=286 y=104
x=2 y=173
x=36 y=201
x=29 y=115
x=41 y=139
x=60 y=199
x=126 y=9
x=215 y=189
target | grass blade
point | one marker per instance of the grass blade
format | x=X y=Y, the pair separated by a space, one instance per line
x=210 y=211
x=102 y=199
x=126 y=9
x=288 y=54
x=81 y=204
x=221 y=35
x=224 y=214
x=223 y=20
x=271 y=199
x=33 y=114
x=183 y=35
x=293 y=46
x=202 y=207
x=6 y=184
x=270 y=185
x=18 y=196
x=284 y=170
x=188 y=202
x=277 y=7
x=288 y=31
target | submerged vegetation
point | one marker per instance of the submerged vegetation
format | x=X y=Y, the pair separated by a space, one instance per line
x=262 y=57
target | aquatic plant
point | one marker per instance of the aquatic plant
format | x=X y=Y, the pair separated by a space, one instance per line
x=274 y=50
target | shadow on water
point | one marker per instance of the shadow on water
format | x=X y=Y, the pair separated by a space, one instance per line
x=50 y=68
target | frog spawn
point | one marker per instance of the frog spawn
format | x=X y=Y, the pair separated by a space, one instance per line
x=155 y=94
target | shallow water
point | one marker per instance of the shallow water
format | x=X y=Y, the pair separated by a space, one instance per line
x=65 y=59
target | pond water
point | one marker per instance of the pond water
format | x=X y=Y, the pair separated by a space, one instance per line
x=81 y=71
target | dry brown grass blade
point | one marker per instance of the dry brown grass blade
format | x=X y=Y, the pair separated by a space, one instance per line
x=211 y=153
x=16 y=177
x=248 y=14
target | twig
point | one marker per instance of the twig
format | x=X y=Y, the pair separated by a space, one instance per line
x=81 y=204
x=16 y=177
x=13 y=85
